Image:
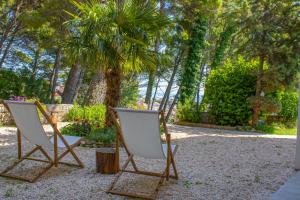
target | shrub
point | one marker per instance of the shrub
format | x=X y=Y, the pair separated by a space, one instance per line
x=94 y=114
x=19 y=83
x=228 y=89
x=289 y=106
x=188 y=112
x=265 y=128
x=105 y=135
x=90 y=132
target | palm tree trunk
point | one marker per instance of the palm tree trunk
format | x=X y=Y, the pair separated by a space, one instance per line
x=113 y=92
x=72 y=84
x=97 y=90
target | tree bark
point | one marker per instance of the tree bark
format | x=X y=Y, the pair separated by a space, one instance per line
x=72 y=84
x=5 y=53
x=113 y=92
x=151 y=78
x=173 y=105
x=155 y=92
x=97 y=89
x=11 y=25
x=35 y=63
x=55 y=75
x=165 y=99
x=256 y=109
x=152 y=74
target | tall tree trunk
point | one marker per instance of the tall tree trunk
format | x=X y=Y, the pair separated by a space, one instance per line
x=55 y=75
x=190 y=75
x=72 y=84
x=5 y=53
x=224 y=42
x=154 y=95
x=256 y=109
x=165 y=99
x=173 y=104
x=199 y=85
x=35 y=63
x=13 y=23
x=151 y=78
x=97 y=89
x=113 y=92
x=10 y=42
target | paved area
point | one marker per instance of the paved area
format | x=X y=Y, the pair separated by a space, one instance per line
x=290 y=190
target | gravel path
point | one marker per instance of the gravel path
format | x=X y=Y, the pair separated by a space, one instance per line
x=212 y=165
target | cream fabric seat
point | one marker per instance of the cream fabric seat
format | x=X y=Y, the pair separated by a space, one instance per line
x=70 y=139
x=26 y=117
x=140 y=132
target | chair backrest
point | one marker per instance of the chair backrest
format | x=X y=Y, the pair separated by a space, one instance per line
x=27 y=120
x=141 y=132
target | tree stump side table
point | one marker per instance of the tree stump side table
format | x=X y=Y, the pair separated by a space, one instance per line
x=106 y=161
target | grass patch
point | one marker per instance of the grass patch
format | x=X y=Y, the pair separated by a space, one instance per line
x=276 y=129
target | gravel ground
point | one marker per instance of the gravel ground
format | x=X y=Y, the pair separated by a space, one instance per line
x=212 y=165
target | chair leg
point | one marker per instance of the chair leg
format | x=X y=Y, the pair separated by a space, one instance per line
x=153 y=196
x=119 y=174
x=4 y=173
x=80 y=164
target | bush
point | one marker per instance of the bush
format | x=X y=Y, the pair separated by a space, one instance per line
x=265 y=128
x=90 y=132
x=104 y=135
x=289 y=107
x=94 y=114
x=188 y=112
x=227 y=91
x=20 y=84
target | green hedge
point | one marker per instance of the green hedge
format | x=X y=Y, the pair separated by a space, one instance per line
x=228 y=89
x=289 y=106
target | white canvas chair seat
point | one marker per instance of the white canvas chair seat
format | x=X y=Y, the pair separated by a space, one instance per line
x=140 y=132
x=71 y=140
x=26 y=117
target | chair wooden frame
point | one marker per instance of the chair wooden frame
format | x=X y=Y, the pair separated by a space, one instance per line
x=165 y=175
x=51 y=162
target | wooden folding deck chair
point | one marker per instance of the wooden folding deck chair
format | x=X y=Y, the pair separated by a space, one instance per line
x=30 y=127
x=140 y=132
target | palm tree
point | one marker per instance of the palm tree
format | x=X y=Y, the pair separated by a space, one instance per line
x=115 y=36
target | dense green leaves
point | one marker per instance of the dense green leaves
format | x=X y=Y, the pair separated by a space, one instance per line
x=190 y=75
x=228 y=89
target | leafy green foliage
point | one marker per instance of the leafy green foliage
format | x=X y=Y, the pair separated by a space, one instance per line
x=289 y=106
x=94 y=114
x=129 y=92
x=228 y=89
x=189 y=78
x=188 y=112
x=104 y=135
x=224 y=42
x=20 y=84
x=90 y=132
